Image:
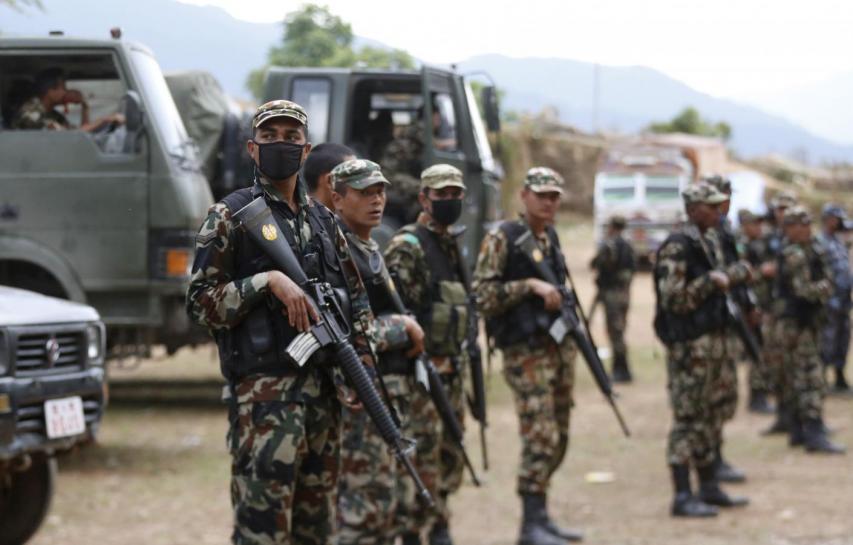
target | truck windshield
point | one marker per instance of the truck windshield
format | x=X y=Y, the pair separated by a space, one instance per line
x=480 y=136
x=162 y=110
x=618 y=188
x=662 y=188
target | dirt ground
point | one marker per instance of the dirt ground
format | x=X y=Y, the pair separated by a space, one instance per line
x=159 y=472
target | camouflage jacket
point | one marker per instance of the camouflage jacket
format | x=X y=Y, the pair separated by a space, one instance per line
x=756 y=252
x=838 y=264
x=407 y=263
x=615 y=270
x=32 y=115
x=216 y=299
x=797 y=273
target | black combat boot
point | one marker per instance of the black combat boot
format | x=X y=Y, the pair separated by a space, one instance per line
x=710 y=491
x=782 y=423
x=758 y=402
x=439 y=534
x=685 y=504
x=411 y=538
x=816 y=439
x=796 y=436
x=621 y=372
x=533 y=528
x=841 y=386
x=566 y=534
x=727 y=473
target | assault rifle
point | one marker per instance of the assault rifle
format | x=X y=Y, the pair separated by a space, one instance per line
x=330 y=330
x=568 y=323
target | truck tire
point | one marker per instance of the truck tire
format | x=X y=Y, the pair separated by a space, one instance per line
x=25 y=499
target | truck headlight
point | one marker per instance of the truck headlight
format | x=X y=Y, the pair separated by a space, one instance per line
x=95 y=344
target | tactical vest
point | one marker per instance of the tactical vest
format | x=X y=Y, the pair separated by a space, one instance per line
x=528 y=321
x=378 y=284
x=709 y=317
x=444 y=317
x=610 y=277
x=789 y=305
x=258 y=344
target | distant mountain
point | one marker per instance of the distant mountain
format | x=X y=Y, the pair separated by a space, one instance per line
x=185 y=36
x=629 y=98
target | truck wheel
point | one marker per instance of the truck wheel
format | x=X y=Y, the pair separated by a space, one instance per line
x=25 y=498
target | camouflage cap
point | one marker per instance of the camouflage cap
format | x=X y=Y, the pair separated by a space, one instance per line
x=544 y=180
x=703 y=193
x=834 y=210
x=723 y=184
x=783 y=199
x=618 y=221
x=279 y=108
x=747 y=216
x=797 y=215
x=441 y=176
x=358 y=174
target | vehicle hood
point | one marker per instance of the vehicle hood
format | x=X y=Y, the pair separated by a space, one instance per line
x=22 y=307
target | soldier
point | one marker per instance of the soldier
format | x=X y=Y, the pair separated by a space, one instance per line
x=425 y=262
x=317 y=170
x=752 y=246
x=614 y=262
x=519 y=308
x=691 y=320
x=284 y=433
x=725 y=390
x=802 y=290
x=369 y=491
x=39 y=112
x=835 y=336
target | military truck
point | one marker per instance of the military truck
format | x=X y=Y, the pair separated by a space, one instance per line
x=105 y=218
x=431 y=116
x=52 y=395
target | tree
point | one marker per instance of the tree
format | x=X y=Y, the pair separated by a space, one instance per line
x=689 y=121
x=314 y=36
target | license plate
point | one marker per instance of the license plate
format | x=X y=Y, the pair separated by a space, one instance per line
x=64 y=417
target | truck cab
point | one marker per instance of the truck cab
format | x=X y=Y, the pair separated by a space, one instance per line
x=430 y=115
x=106 y=218
x=52 y=397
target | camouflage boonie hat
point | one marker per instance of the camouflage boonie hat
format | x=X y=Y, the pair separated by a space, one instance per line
x=747 y=216
x=797 y=215
x=358 y=174
x=279 y=108
x=618 y=221
x=544 y=180
x=441 y=176
x=783 y=199
x=703 y=193
x=723 y=185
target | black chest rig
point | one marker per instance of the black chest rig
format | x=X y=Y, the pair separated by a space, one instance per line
x=804 y=311
x=258 y=344
x=709 y=317
x=610 y=277
x=527 y=321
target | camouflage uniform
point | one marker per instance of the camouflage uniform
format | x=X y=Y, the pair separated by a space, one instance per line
x=284 y=433
x=755 y=252
x=437 y=458
x=614 y=262
x=33 y=115
x=835 y=334
x=400 y=161
x=369 y=493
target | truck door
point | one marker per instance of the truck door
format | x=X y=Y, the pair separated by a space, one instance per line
x=80 y=196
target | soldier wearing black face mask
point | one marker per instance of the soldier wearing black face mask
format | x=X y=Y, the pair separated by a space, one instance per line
x=284 y=420
x=424 y=260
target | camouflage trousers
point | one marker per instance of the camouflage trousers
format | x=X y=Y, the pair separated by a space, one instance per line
x=772 y=353
x=284 y=438
x=724 y=395
x=371 y=487
x=694 y=371
x=835 y=339
x=451 y=464
x=541 y=380
x=802 y=370
x=616 y=303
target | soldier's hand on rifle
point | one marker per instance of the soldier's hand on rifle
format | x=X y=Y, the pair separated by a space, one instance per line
x=300 y=312
x=548 y=292
x=720 y=280
x=416 y=336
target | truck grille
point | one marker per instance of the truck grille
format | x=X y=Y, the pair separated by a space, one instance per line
x=59 y=350
x=30 y=416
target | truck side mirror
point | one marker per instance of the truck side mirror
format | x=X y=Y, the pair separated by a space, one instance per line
x=489 y=96
x=133 y=111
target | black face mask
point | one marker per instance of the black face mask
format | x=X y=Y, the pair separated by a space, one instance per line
x=279 y=160
x=447 y=211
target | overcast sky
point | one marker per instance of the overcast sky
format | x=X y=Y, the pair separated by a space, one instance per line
x=747 y=49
